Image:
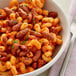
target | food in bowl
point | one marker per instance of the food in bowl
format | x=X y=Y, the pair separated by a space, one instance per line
x=28 y=36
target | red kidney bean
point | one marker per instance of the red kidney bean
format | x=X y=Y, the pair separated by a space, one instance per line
x=3 y=53
x=28 y=61
x=47 y=35
x=0 y=29
x=35 y=33
x=16 y=27
x=53 y=14
x=18 y=51
x=5 y=39
x=32 y=37
x=34 y=11
x=23 y=47
x=8 y=11
x=34 y=65
x=4 y=58
x=41 y=63
x=23 y=53
x=37 y=56
x=29 y=17
x=22 y=50
x=22 y=13
x=2 y=16
x=22 y=33
x=11 y=22
x=16 y=46
x=25 y=8
x=17 y=14
x=53 y=29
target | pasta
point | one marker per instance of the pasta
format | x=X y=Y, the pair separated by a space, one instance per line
x=29 y=35
x=45 y=12
x=47 y=59
x=2 y=48
x=13 y=60
x=22 y=67
x=37 y=27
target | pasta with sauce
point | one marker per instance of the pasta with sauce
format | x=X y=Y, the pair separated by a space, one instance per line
x=28 y=36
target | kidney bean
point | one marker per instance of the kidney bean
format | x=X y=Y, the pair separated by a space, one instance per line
x=47 y=35
x=53 y=14
x=8 y=48
x=32 y=37
x=18 y=51
x=2 y=16
x=35 y=33
x=34 y=11
x=41 y=63
x=21 y=50
x=23 y=47
x=37 y=56
x=25 y=8
x=5 y=39
x=4 y=58
x=11 y=22
x=3 y=53
x=16 y=46
x=34 y=65
x=28 y=61
x=17 y=14
x=23 y=53
x=22 y=13
x=16 y=27
x=29 y=17
x=53 y=29
x=22 y=33
x=8 y=11
x=0 y=29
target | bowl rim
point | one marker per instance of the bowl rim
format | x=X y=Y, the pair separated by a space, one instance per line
x=48 y=65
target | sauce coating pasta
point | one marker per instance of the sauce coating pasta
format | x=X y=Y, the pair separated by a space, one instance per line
x=28 y=36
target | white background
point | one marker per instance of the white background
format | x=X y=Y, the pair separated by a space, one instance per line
x=64 y=4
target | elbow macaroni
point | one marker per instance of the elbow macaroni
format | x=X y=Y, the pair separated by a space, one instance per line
x=13 y=60
x=13 y=70
x=45 y=12
x=8 y=65
x=39 y=3
x=35 y=43
x=22 y=67
x=46 y=48
x=46 y=25
x=44 y=41
x=2 y=48
x=12 y=16
x=37 y=27
x=48 y=53
x=47 y=59
x=28 y=36
x=48 y=20
x=14 y=3
x=45 y=29
x=23 y=26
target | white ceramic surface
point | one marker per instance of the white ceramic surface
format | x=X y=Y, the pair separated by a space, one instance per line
x=50 y=5
x=64 y=4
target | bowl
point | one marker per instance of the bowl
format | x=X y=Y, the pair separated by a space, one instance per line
x=50 y=5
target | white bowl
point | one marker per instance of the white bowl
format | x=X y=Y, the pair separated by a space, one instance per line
x=51 y=6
